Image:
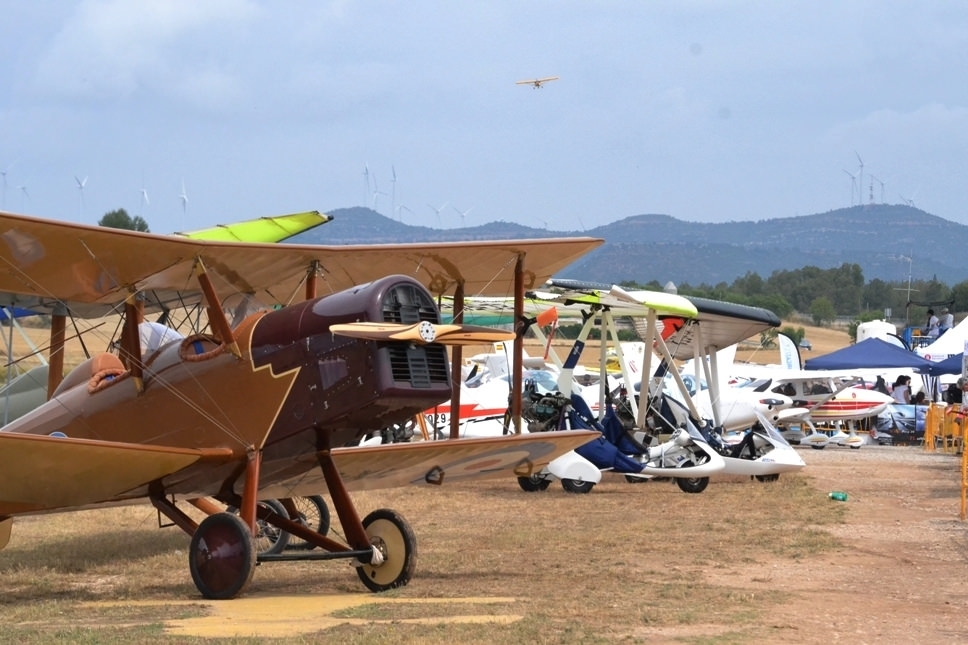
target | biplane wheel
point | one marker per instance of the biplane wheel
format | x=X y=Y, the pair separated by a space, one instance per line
x=768 y=478
x=534 y=483
x=268 y=538
x=391 y=534
x=221 y=557
x=577 y=486
x=314 y=513
x=693 y=485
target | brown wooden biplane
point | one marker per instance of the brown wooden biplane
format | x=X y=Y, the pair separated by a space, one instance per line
x=348 y=341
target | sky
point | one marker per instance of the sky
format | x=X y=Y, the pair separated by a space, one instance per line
x=194 y=113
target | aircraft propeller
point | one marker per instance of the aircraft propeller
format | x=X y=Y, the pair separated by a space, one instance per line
x=422 y=332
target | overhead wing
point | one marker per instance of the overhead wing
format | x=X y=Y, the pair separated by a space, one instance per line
x=45 y=262
x=721 y=324
x=264 y=229
x=40 y=473
x=436 y=462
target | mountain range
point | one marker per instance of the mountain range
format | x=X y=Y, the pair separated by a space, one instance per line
x=889 y=242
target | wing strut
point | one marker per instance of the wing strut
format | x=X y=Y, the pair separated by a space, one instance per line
x=216 y=317
x=58 y=330
x=456 y=361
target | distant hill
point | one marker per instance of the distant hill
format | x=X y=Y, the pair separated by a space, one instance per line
x=879 y=238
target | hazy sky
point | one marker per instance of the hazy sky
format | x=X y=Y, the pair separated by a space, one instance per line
x=703 y=110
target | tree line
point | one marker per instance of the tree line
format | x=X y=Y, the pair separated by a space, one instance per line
x=828 y=294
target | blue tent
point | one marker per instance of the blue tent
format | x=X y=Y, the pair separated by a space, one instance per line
x=872 y=353
x=950 y=365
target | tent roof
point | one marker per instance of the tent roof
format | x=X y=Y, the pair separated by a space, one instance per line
x=869 y=353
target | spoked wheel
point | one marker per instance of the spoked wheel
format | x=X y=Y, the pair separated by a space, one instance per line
x=268 y=539
x=394 y=538
x=221 y=557
x=534 y=483
x=577 y=486
x=314 y=513
x=692 y=484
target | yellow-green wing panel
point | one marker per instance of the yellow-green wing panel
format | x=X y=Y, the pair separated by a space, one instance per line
x=266 y=230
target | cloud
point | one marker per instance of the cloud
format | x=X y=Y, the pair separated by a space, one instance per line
x=113 y=49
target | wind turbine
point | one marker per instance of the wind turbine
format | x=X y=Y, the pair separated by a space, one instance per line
x=366 y=184
x=80 y=193
x=860 y=182
x=853 y=185
x=400 y=210
x=376 y=194
x=144 y=199
x=3 y=203
x=393 y=189
x=873 y=179
x=463 y=214
x=437 y=210
x=23 y=200
x=183 y=196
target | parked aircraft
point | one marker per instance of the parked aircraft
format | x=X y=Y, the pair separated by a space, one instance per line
x=259 y=410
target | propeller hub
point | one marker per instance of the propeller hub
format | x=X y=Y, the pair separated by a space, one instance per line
x=427 y=332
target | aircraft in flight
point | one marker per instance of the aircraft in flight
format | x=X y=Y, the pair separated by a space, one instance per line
x=536 y=83
x=263 y=408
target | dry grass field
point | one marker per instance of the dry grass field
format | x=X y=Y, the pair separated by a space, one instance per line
x=743 y=562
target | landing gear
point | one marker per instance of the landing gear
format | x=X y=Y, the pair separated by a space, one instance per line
x=392 y=536
x=313 y=512
x=577 y=486
x=534 y=483
x=692 y=484
x=221 y=557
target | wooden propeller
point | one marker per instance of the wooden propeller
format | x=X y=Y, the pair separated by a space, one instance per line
x=422 y=332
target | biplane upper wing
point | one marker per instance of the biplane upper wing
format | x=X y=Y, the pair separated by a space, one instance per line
x=39 y=473
x=44 y=263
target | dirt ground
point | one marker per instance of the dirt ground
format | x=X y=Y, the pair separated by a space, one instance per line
x=900 y=577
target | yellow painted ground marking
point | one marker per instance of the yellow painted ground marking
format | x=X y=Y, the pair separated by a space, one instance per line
x=275 y=616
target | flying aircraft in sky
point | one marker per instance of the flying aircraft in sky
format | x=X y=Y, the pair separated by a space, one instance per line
x=261 y=409
x=537 y=83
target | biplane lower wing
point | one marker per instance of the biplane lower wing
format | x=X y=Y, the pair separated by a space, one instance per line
x=40 y=473
x=437 y=462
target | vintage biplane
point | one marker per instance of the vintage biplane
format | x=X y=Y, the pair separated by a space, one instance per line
x=345 y=340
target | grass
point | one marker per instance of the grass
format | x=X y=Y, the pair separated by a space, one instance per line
x=601 y=567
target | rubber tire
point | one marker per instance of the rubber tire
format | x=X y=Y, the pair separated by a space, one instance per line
x=576 y=486
x=389 y=532
x=534 y=483
x=221 y=557
x=691 y=485
x=635 y=480
x=767 y=478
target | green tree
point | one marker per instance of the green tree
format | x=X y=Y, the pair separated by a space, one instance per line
x=822 y=311
x=121 y=219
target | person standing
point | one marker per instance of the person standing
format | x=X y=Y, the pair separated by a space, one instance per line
x=947 y=321
x=931 y=326
x=902 y=389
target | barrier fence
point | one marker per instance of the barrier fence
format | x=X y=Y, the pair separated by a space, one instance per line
x=946 y=428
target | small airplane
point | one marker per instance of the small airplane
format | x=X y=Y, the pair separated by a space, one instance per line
x=537 y=83
x=30 y=389
x=262 y=409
